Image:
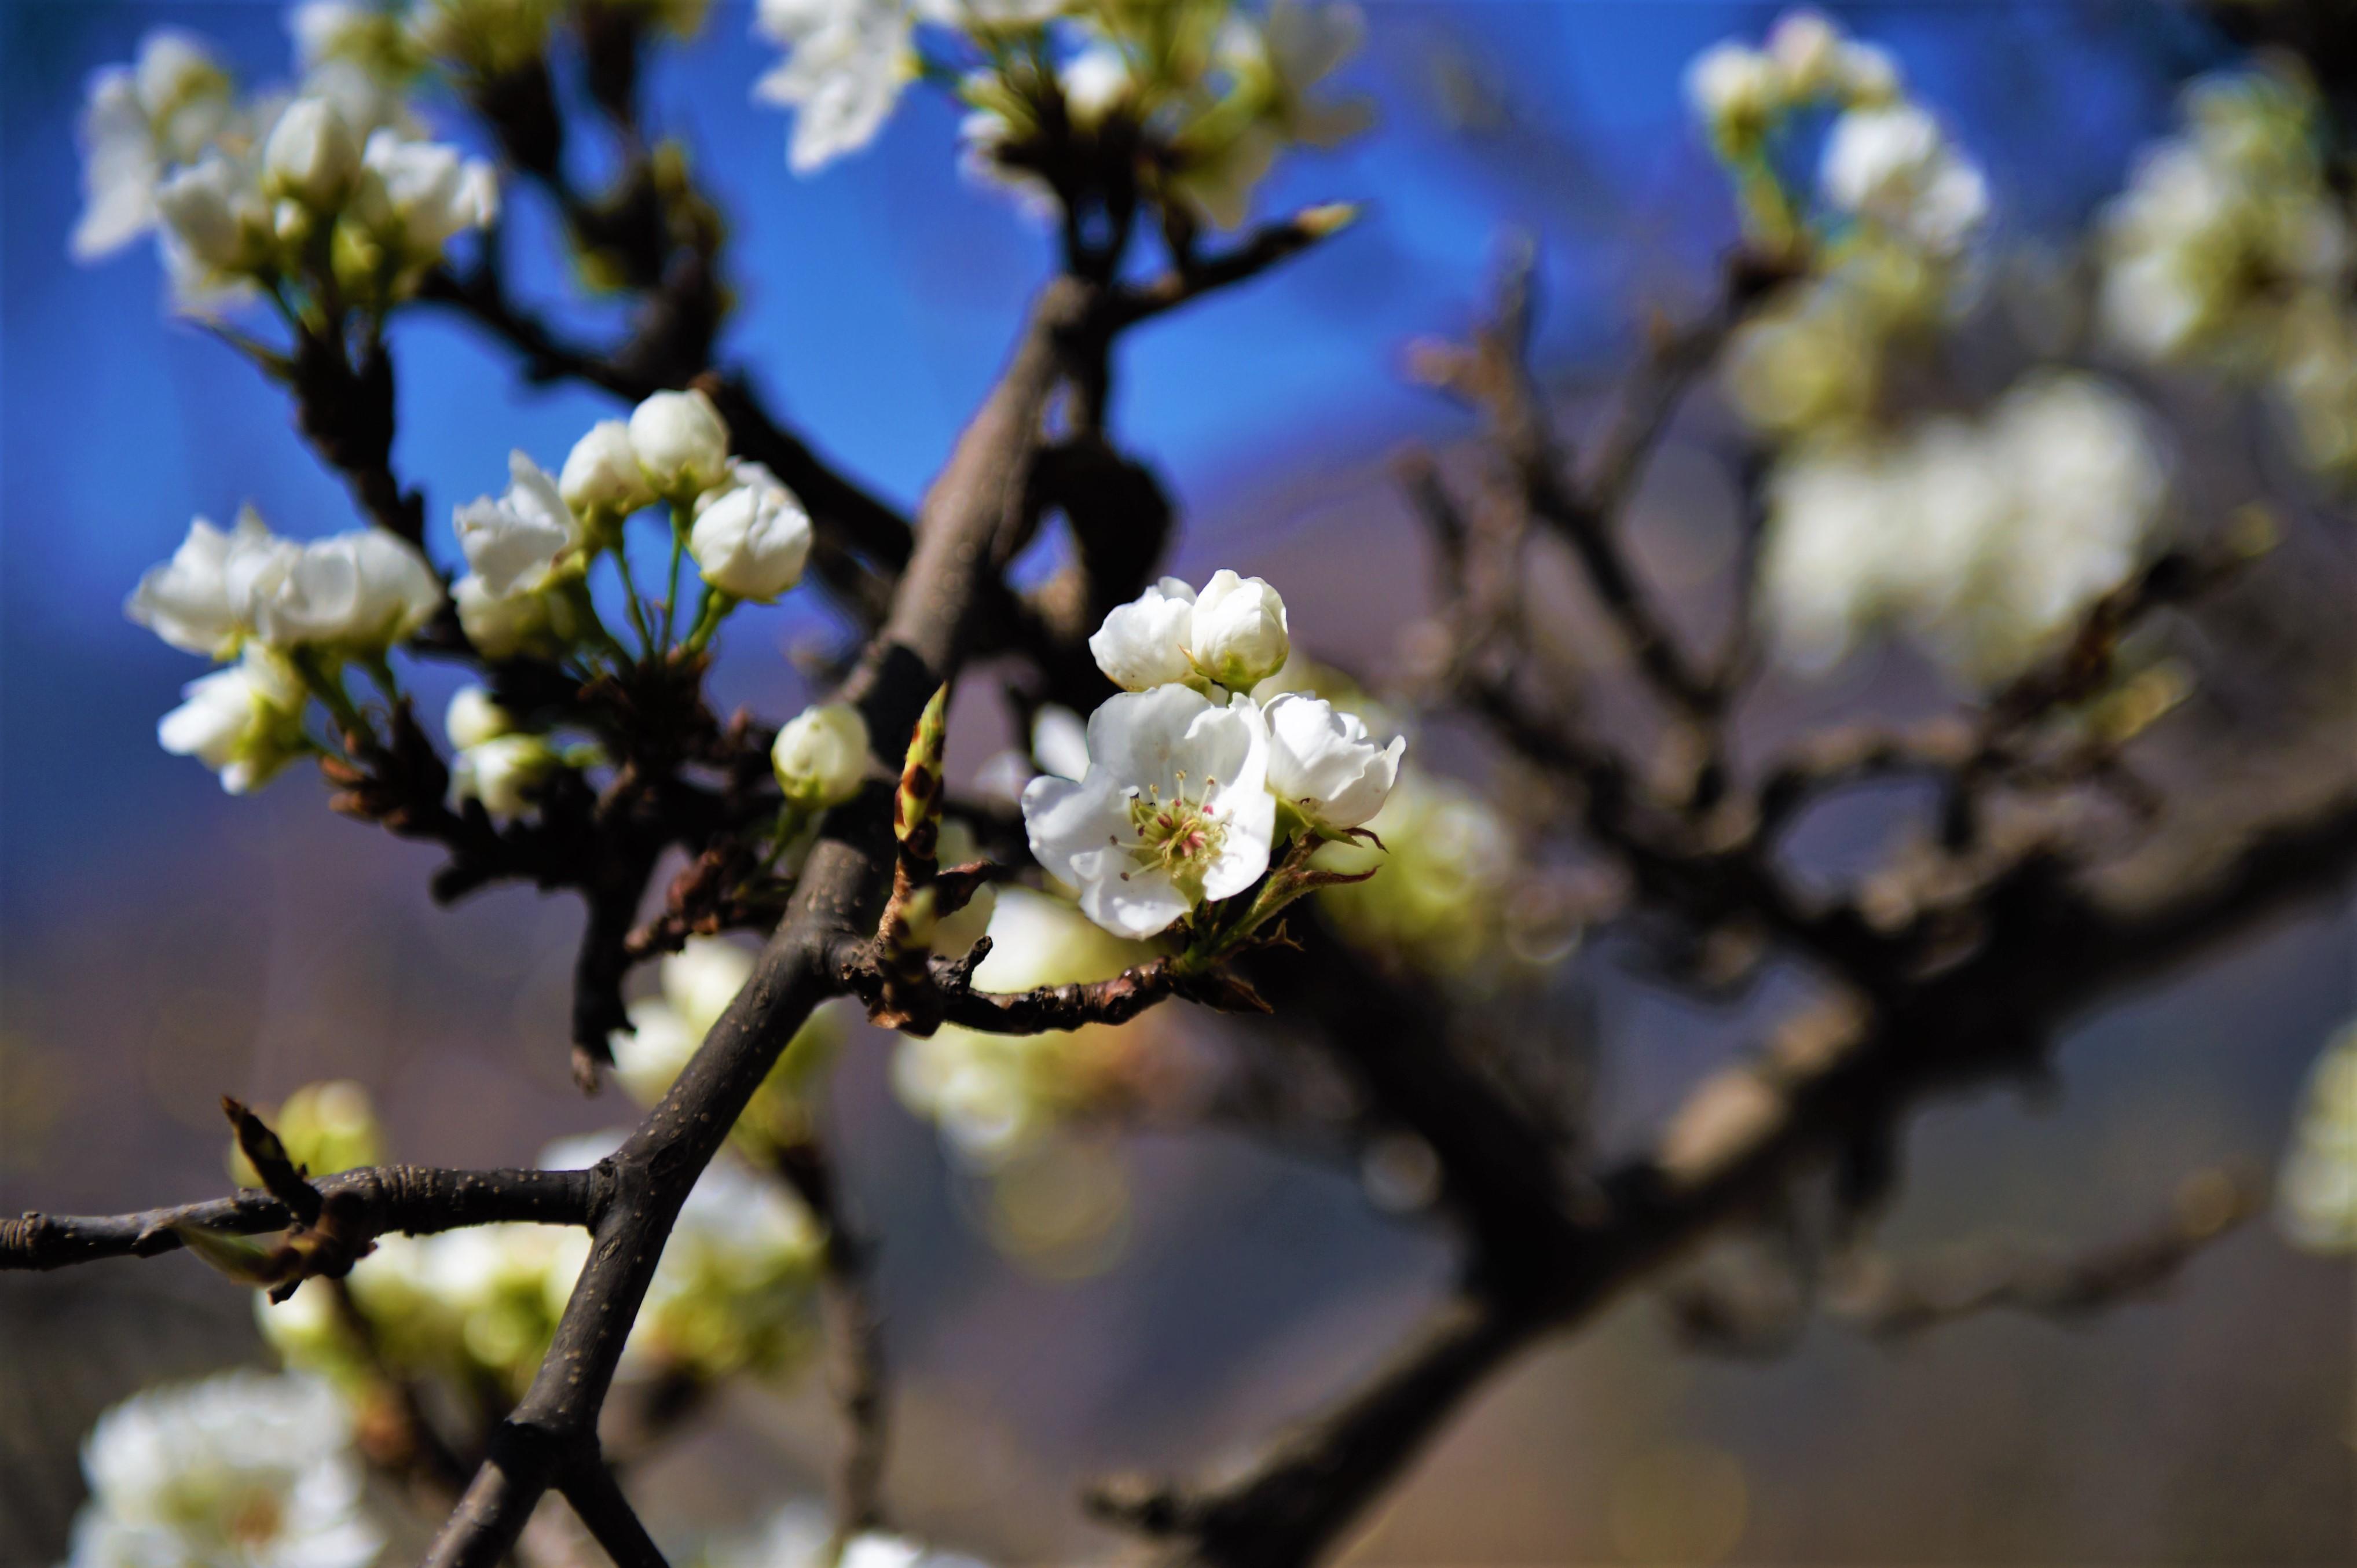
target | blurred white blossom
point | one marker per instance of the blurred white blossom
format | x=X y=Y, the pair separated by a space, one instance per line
x=473 y=718
x=244 y=723
x=138 y=121
x=200 y=601
x=2316 y=1195
x=519 y=541
x=682 y=443
x=242 y=1470
x=1985 y=543
x=1894 y=164
x=502 y=772
x=359 y=592
x=820 y=756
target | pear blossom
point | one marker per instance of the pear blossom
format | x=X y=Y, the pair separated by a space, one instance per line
x=1448 y=871
x=246 y=1468
x=680 y=441
x=502 y=772
x=1894 y=164
x=1805 y=48
x=311 y=156
x=518 y=543
x=1323 y=763
x=358 y=591
x=846 y=61
x=601 y=474
x=1735 y=92
x=820 y=756
x=698 y=982
x=1143 y=643
x=1059 y=741
x=504 y=626
x=2316 y=1194
x=139 y=121
x=217 y=223
x=1237 y=634
x=474 y=717
x=244 y=723
x=201 y=600
x=1174 y=809
x=414 y=197
x=751 y=539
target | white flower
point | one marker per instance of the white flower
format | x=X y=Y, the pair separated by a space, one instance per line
x=216 y=221
x=502 y=626
x=311 y=156
x=518 y=543
x=246 y=722
x=503 y=773
x=751 y=539
x=698 y=983
x=1322 y=763
x=1059 y=741
x=1174 y=810
x=474 y=717
x=199 y=601
x=1143 y=643
x=602 y=474
x=1805 y=48
x=1866 y=74
x=1832 y=515
x=1237 y=634
x=1895 y=166
x=1735 y=92
x=136 y=122
x=680 y=441
x=846 y=61
x=416 y=196
x=820 y=756
x=242 y=1470
x=2316 y=1195
x=360 y=592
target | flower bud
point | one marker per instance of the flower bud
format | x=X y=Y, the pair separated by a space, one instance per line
x=474 y=718
x=1805 y=49
x=1238 y=632
x=751 y=539
x=311 y=156
x=517 y=543
x=360 y=592
x=680 y=441
x=601 y=473
x=820 y=757
x=213 y=214
x=1735 y=92
x=415 y=195
x=502 y=772
x=1322 y=763
x=502 y=625
x=1143 y=643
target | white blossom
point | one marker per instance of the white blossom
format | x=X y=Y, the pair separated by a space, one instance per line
x=474 y=717
x=2316 y=1195
x=311 y=156
x=244 y=723
x=1143 y=644
x=518 y=543
x=602 y=474
x=1895 y=166
x=217 y=222
x=1323 y=763
x=1174 y=809
x=201 y=600
x=137 y=122
x=242 y=1470
x=416 y=196
x=820 y=756
x=502 y=626
x=1237 y=634
x=1735 y=92
x=503 y=773
x=1805 y=48
x=751 y=539
x=698 y=982
x=356 y=591
x=846 y=61
x=680 y=441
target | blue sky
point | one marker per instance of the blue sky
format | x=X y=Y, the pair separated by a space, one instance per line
x=878 y=298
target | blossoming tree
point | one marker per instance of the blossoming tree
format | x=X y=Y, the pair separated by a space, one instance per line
x=1203 y=813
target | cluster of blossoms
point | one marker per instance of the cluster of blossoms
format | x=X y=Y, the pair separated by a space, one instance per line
x=2316 y=1194
x=1196 y=98
x=241 y=1471
x=329 y=185
x=1887 y=252
x=288 y=616
x=1191 y=782
x=1988 y=540
x=2230 y=250
x=733 y=1290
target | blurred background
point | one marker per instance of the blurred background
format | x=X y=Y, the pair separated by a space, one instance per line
x=161 y=943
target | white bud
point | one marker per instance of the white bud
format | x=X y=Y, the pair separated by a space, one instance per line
x=212 y=212
x=1735 y=92
x=1143 y=643
x=246 y=722
x=502 y=772
x=602 y=474
x=682 y=442
x=311 y=156
x=1805 y=48
x=751 y=539
x=1238 y=632
x=500 y=626
x=416 y=196
x=820 y=757
x=474 y=718
x=1322 y=763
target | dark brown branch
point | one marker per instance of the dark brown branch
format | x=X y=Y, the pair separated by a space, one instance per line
x=416 y=1199
x=597 y=1501
x=1257 y=254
